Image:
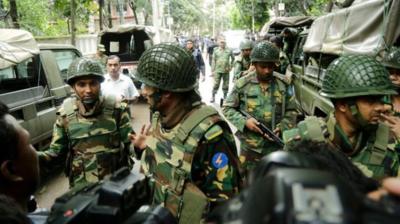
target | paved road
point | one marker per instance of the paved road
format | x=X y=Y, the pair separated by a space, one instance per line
x=59 y=185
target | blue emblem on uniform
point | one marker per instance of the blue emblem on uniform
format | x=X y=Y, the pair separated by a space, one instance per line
x=219 y=160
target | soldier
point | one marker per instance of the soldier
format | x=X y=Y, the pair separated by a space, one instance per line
x=265 y=97
x=220 y=68
x=358 y=87
x=101 y=56
x=392 y=62
x=91 y=131
x=242 y=62
x=190 y=151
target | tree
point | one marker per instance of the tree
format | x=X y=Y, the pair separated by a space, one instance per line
x=245 y=9
x=14 y=13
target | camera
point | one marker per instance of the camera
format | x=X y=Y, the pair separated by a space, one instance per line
x=123 y=198
x=284 y=191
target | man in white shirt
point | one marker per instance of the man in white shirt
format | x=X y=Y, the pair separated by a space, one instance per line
x=118 y=84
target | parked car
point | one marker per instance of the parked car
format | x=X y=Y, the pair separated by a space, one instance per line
x=32 y=81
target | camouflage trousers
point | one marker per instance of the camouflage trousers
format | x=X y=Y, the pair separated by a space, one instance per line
x=250 y=158
x=225 y=83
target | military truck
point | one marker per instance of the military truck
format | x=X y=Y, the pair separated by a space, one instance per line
x=366 y=27
x=32 y=81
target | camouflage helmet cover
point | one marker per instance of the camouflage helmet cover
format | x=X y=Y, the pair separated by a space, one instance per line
x=392 y=58
x=355 y=75
x=169 y=67
x=84 y=67
x=246 y=44
x=264 y=52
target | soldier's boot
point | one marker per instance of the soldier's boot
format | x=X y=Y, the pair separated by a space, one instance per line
x=212 y=99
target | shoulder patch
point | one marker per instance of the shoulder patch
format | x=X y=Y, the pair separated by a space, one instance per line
x=213 y=132
x=220 y=160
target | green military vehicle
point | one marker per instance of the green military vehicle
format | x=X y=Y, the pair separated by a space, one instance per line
x=32 y=81
x=366 y=27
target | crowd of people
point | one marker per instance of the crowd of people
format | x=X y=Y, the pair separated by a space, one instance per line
x=188 y=151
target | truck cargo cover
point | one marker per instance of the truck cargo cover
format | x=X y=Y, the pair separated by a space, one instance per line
x=368 y=28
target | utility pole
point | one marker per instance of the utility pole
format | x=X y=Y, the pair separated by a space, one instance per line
x=109 y=15
x=156 y=19
x=213 y=19
x=101 y=6
x=14 y=13
x=121 y=11
x=73 y=7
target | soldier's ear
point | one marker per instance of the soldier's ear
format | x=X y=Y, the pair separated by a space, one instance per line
x=7 y=170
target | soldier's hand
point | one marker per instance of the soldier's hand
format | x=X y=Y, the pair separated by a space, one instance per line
x=393 y=122
x=389 y=186
x=139 y=140
x=251 y=68
x=277 y=131
x=252 y=125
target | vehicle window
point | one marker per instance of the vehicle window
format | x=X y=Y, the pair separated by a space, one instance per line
x=128 y=46
x=20 y=76
x=64 y=59
x=7 y=73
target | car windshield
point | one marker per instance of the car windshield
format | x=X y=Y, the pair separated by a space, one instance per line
x=64 y=59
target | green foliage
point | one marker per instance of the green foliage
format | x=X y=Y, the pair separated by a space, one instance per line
x=241 y=14
x=304 y=7
x=45 y=19
x=186 y=14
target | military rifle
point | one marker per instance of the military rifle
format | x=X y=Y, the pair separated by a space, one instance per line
x=264 y=129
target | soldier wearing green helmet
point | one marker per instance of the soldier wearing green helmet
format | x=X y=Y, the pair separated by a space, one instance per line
x=358 y=87
x=189 y=150
x=266 y=98
x=391 y=61
x=91 y=133
x=242 y=62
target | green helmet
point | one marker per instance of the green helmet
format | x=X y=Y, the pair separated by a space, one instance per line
x=355 y=75
x=169 y=67
x=264 y=52
x=246 y=44
x=392 y=59
x=84 y=67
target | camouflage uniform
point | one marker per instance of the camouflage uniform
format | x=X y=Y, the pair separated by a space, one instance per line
x=392 y=61
x=242 y=63
x=91 y=143
x=194 y=164
x=221 y=66
x=352 y=76
x=271 y=106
